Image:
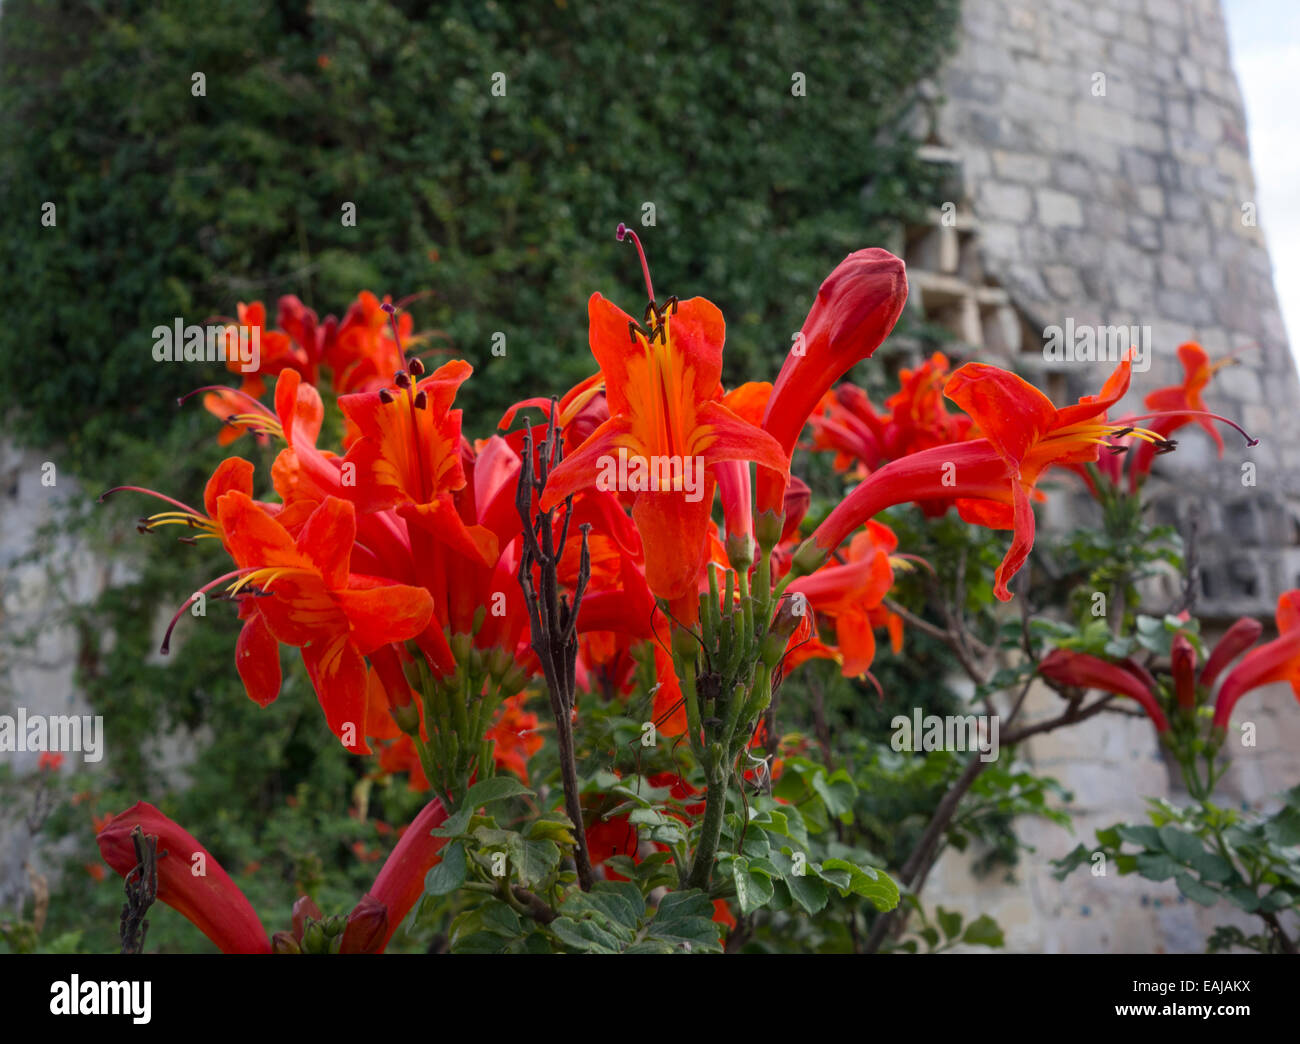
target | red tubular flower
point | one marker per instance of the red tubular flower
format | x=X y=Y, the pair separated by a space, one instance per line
x=850 y=592
x=1174 y=400
x=277 y=352
x=662 y=391
x=1275 y=661
x=1235 y=641
x=1183 y=667
x=1084 y=671
x=992 y=478
x=408 y=457
x=855 y=310
x=362 y=353
x=315 y=603
x=399 y=884
x=209 y=899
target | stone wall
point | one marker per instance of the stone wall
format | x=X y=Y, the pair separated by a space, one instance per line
x=1103 y=175
x=1103 y=151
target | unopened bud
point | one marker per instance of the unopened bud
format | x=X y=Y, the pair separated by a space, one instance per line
x=767 y=527
x=284 y=942
x=740 y=551
x=407 y=718
x=808 y=559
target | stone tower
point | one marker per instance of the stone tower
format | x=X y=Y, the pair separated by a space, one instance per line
x=1101 y=174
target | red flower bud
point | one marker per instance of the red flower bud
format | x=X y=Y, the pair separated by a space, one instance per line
x=198 y=889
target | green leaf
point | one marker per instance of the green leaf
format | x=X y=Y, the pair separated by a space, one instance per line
x=455 y=824
x=1212 y=867
x=449 y=873
x=1195 y=890
x=684 y=921
x=1156 y=866
x=1181 y=845
x=487 y=928
x=949 y=922
x=807 y=891
x=1284 y=828
x=1278 y=899
x=1069 y=862
x=753 y=889
x=559 y=830
x=604 y=920
x=498 y=788
x=867 y=882
x=539 y=859
x=1244 y=897
x=1146 y=836
x=983 y=931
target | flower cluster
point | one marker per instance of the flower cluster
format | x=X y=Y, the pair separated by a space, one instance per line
x=432 y=578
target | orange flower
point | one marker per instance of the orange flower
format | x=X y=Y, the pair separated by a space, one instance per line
x=1180 y=404
x=312 y=601
x=851 y=595
x=663 y=389
x=991 y=479
x=515 y=735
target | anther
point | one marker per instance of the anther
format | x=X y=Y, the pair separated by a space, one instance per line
x=401 y=379
x=421 y=400
x=385 y=396
x=416 y=367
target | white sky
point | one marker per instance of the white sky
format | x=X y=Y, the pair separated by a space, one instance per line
x=1265 y=39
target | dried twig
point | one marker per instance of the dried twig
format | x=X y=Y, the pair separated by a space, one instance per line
x=141 y=891
x=552 y=619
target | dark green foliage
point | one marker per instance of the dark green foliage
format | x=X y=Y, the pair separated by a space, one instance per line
x=501 y=209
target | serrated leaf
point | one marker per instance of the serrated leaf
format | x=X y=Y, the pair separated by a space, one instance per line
x=753 y=890
x=498 y=788
x=539 y=859
x=1278 y=899
x=867 y=882
x=449 y=873
x=1145 y=836
x=1156 y=866
x=558 y=830
x=455 y=824
x=807 y=891
x=1195 y=890
x=1180 y=844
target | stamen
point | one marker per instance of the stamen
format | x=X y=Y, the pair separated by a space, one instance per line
x=255 y=403
x=1204 y=413
x=393 y=323
x=153 y=493
x=167 y=637
x=623 y=232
